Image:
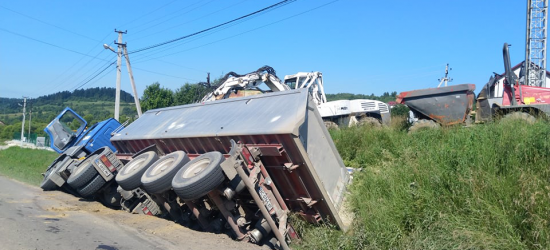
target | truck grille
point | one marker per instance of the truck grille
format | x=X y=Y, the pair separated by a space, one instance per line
x=368 y=106
x=383 y=108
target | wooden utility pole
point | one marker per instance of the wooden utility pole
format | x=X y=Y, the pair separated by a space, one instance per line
x=136 y=99
x=23 y=124
x=123 y=51
x=118 y=63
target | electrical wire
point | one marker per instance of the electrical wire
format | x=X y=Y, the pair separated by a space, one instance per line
x=279 y=4
x=242 y=33
x=53 y=25
x=47 y=43
x=165 y=74
x=152 y=26
x=93 y=77
x=198 y=18
x=199 y=36
x=149 y=13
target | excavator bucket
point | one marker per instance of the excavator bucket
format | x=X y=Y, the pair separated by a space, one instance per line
x=295 y=148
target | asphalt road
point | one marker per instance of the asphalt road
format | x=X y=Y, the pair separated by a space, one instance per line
x=33 y=219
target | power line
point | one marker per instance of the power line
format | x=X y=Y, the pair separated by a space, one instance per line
x=53 y=25
x=172 y=17
x=201 y=17
x=198 y=36
x=165 y=74
x=279 y=4
x=96 y=75
x=47 y=43
x=242 y=33
x=149 y=13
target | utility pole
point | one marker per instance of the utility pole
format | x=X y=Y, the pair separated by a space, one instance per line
x=118 y=71
x=23 y=124
x=136 y=99
x=30 y=118
x=445 y=79
x=535 y=43
x=123 y=51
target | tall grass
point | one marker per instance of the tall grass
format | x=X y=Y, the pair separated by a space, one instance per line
x=25 y=164
x=482 y=187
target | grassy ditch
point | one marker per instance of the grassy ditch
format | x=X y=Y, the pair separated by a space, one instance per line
x=483 y=187
x=25 y=164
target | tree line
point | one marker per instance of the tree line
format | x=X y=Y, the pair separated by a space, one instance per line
x=96 y=104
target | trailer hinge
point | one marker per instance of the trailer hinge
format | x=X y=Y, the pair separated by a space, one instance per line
x=290 y=167
x=308 y=201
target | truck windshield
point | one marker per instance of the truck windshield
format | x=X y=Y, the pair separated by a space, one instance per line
x=71 y=124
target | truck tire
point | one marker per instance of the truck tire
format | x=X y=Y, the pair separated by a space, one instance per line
x=158 y=177
x=47 y=183
x=423 y=124
x=519 y=116
x=88 y=190
x=129 y=177
x=200 y=176
x=83 y=173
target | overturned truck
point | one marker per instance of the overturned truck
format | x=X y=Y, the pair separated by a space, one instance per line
x=251 y=161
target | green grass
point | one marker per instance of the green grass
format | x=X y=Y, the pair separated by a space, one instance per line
x=483 y=187
x=25 y=164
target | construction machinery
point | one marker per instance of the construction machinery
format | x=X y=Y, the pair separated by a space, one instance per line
x=505 y=95
x=343 y=113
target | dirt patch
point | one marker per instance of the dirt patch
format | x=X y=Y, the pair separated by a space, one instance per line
x=67 y=205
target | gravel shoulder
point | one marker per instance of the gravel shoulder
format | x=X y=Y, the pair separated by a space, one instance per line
x=55 y=213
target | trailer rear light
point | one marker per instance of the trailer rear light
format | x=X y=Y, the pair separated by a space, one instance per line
x=107 y=163
x=146 y=211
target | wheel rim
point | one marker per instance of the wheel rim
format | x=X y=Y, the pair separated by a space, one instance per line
x=196 y=168
x=136 y=164
x=162 y=166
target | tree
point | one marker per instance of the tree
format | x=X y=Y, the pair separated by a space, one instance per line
x=156 y=97
x=189 y=93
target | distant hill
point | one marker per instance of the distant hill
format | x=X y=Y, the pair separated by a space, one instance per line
x=97 y=102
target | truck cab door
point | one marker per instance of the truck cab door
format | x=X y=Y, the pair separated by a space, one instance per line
x=65 y=129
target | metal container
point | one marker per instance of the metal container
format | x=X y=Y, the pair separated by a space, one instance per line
x=296 y=148
x=445 y=105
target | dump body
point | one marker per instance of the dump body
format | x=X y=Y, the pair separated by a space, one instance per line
x=445 y=105
x=297 y=150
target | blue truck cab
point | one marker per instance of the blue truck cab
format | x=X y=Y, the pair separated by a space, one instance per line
x=70 y=137
x=69 y=130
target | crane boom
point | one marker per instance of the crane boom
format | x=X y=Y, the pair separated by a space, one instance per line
x=535 y=43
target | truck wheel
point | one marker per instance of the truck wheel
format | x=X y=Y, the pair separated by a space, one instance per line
x=519 y=116
x=84 y=172
x=422 y=125
x=200 y=176
x=91 y=188
x=369 y=121
x=129 y=177
x=47 y=183
x=158 y=177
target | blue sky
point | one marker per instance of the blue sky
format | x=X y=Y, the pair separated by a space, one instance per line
x=361 y=47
